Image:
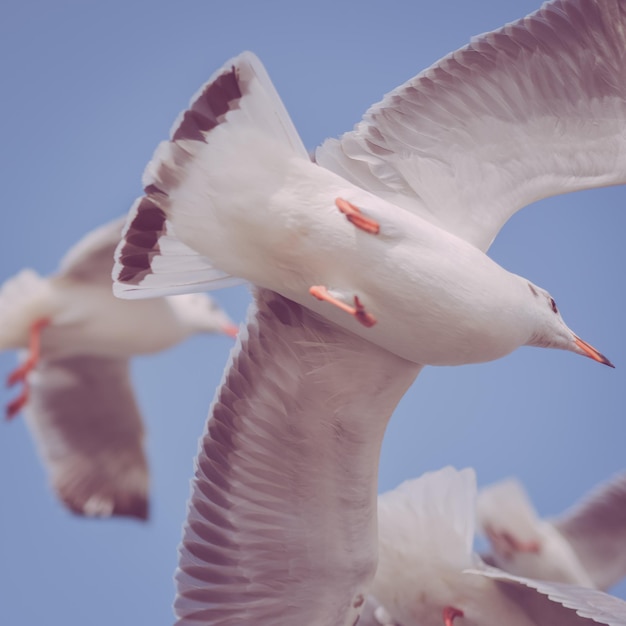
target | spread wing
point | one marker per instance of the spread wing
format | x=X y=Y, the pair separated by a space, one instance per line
x=596 y=530
x=281 y=527
x=534 y=109
x=559 y=604
x=91 y=259
x=87 y=427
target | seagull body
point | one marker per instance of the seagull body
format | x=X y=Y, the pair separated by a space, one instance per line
x=77 y=397
x=585 y=545
x=300 y=239
x=428 y=573
x=233 y=196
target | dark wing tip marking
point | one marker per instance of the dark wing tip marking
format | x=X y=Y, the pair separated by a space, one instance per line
x=141 y=240
x=207 y=110
x=149 y=217
x=137 y=507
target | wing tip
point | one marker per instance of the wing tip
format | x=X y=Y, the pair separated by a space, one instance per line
x=209 y=106
x=148 y=221
x=140 y=241
x=98 y=506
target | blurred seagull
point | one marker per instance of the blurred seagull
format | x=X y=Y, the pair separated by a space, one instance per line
x=428 y=574
x=383 y=236
x=76 y=395
x=585 y=546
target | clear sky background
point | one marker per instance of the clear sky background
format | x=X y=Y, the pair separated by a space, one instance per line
x=88 y=90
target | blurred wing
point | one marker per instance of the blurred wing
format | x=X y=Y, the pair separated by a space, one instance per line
x=91 y=259
x=596 y=530
x=281 y=527
x=545 y=601
x=85 y=421
x=505 y=506
x=522 y=543
x=531 y=110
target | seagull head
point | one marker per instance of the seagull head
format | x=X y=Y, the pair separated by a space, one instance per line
x=553 y=332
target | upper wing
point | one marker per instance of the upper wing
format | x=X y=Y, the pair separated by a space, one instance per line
x=91 y=259
x=281 y=527
x=559 y=604
x=85 y=421
x=533 y=109
x=596 y=530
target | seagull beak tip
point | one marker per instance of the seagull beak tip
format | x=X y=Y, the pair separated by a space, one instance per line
x=589 y=351
x=231 y=330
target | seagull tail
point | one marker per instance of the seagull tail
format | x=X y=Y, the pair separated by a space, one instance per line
x=24 y=299
x=218 y=147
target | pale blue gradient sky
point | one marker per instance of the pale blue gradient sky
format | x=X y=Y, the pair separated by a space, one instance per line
x=88 y=90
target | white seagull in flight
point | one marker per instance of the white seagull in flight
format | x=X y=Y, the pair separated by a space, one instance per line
x=586 y=545
x=429 y=575
x=383 y=235
x=77 y=396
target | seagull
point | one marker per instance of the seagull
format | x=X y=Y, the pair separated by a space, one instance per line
x=368 y=264
x=386 y=233
x=586 y=545
x=77 y=396
x=428 y=574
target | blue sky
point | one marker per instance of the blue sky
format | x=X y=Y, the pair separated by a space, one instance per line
x=88 y=90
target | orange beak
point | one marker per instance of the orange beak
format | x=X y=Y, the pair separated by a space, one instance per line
x=231 y=330
x=591 y=352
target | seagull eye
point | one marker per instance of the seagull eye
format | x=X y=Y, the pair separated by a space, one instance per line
x=553 y=305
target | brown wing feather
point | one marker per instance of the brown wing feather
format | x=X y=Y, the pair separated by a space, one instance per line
x=281 y=527
x=87 y=426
